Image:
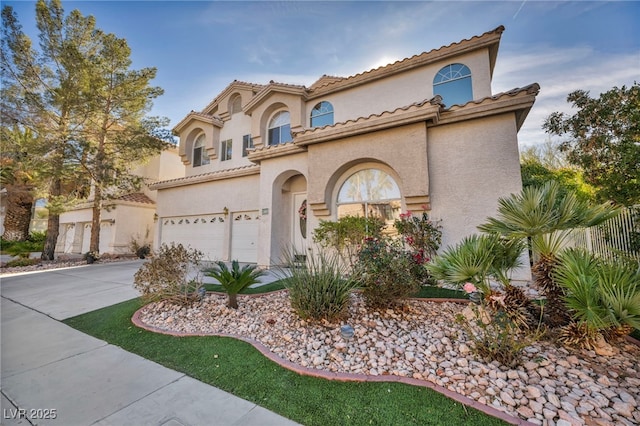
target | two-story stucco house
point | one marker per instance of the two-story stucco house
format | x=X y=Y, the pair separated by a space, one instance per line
x=266 y=163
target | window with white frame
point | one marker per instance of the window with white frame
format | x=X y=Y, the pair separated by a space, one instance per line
x=322 y=114
x=453 y=83
x=247 y=143
x=200 y=157
x=280 y=128
x=226 y=150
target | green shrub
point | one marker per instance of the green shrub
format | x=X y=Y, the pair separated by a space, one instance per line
x=346 y=235
x=22 y=261
x=477 y=258
x=384 y=273
x=423 y=237
x=234 y=280
x=601 y=295
x=167 y=275
x=318 y=290
x=494 y=337
x=34 y=243
x=38 y=237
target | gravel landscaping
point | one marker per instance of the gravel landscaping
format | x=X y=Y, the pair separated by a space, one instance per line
x=552 y=385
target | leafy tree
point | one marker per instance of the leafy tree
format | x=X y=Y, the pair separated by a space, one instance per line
x=45 y=91
x=604 y=140
x=117 y=133
x=542 y=163
x=86 y=107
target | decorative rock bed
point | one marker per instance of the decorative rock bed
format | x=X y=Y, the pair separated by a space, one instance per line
x=422 y=344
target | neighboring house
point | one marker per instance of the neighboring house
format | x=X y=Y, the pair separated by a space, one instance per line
x=128 y=217
x=266 y=163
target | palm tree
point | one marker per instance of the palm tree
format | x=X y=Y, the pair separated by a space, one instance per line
x=17 y=180
x=546 y=218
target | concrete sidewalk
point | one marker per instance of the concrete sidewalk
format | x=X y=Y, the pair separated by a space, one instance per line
x=51 y=370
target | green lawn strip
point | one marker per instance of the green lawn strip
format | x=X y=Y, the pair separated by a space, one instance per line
x=238 y=368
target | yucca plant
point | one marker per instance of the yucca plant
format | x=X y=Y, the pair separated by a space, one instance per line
x=319 y=289
x=602 y=297
x=546 y=217
x=234 y=280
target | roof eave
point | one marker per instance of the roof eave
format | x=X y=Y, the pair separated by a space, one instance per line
x=195 y=116
x=262 y=95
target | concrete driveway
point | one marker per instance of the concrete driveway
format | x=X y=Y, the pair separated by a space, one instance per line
x=53 y=374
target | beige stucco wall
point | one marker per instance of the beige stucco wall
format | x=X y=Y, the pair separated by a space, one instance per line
x=471 y=165
x=237 y=194
x=133 y=222
x=166 y=165
x=402 y=150
x=277 y=182
x=402 y=89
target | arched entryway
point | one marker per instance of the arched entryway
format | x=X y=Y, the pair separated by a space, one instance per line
x=289 y=223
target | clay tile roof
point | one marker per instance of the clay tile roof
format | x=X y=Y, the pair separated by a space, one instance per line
x=136 y=197
x=294 y=86
x=531 y=89
x=326 y=84
x=206 y=176
x=267 y=147
x=209 y=118
x=436 y=100
x=325 y=79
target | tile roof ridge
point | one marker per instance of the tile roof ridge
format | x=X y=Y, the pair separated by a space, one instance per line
x=531 y=89
x=498 y=30
x=136 y=197
x=436 y=100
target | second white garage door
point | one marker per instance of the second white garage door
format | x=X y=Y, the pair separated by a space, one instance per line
x=244 y=236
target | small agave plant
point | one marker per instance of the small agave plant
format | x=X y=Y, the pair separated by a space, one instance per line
x=234 y=280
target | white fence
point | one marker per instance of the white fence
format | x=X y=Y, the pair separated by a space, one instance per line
x=614 y=237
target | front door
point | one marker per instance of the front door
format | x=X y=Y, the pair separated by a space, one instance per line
x=299 y=228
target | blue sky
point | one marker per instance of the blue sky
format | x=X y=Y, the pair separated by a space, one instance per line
x=199 y=47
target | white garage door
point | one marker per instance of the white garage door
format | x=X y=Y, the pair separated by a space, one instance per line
x=204 y=233
x=244 y=236
x=106 y=230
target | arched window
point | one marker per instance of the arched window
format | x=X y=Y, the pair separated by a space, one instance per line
x=369 y=193
x=236 y=104
x=453 y=83
x=200 y=157
x=322 y=114
x=280 y=128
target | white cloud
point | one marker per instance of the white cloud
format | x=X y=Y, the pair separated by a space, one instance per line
x=560 y=72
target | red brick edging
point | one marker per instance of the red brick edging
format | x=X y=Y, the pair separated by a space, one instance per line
x=349 y=377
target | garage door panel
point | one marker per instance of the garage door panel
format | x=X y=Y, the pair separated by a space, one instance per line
x=204 y=233
x=244 y=236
